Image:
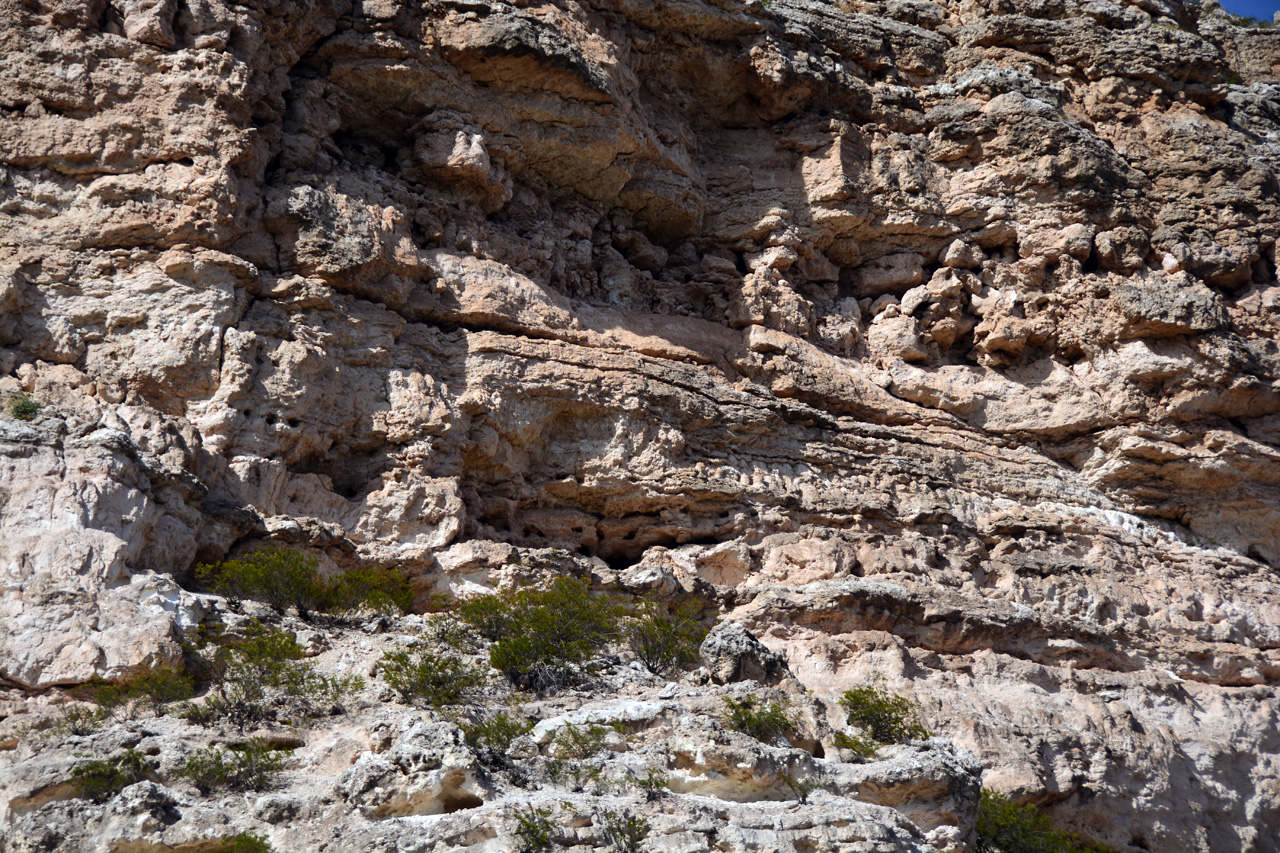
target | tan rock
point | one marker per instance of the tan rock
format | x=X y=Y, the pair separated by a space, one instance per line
x=499 y=292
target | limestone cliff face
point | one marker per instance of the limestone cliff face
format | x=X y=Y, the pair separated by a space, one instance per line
x=938 y=340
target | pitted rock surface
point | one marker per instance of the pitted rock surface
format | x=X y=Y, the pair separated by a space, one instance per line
x=934 y=342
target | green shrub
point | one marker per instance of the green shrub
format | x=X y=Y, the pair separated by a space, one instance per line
x=282 y=577
x=533 y=829
x=251 y=767
x=541 y=638
x=861 y=745
x=435 y=680
x=496 y=731
x=265 y=670
x=152 y=688
x=78 y=720
x=884 y=718
x=101 y=780
x=379 y=589
x=579 y=743
x=277 y=576
x=764 y=721
x=652 y=784
x=263 y=658
x=449 y=631
x=626 y=833
x=246 y=842
x=24 y=407
x=665 y=639
x=1005 y=826
x=573 y=749
x=490 y=615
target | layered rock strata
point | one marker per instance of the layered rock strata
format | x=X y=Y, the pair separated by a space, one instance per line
x=936 y=341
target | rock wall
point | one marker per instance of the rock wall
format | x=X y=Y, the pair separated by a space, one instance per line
x=936 y=340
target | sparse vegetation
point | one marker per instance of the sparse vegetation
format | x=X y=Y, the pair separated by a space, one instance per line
x=23 y=407
x=801 y=788
x=246 y=842
x=435 y=680
x=575 y=775
x=75 y=719
x=533 y=829
x=764 y=721
x=541 y=638
x=251 y=767
x=579 y=743
x=665 y=639
x=626 y=833
x=573 y=749
x=496 y=731
x=1005 y=826
x=653 y=784
x=283 y=577
x=1247 y=22
x=378 y=589
x=99 y=781
x=883 y=717
x=263 y=675
x=152 y=688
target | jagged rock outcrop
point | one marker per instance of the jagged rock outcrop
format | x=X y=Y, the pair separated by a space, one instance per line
x=932 y=340
x=731 y=653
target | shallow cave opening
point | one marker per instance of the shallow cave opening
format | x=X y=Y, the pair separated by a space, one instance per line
x=350 y=472
x=616 y=561
x=457 y=800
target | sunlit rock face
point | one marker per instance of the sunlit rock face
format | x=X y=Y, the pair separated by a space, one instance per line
x=937 y=341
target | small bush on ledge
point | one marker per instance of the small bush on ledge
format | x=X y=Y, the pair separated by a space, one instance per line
x=883 y=717
x=379 y=589
x=541 y=638
x=1005 y=826
x=534 y=829
x=496 y=731
x=153 y=688
x=764 y=721
x=435 y=680
x=99 y=781
x=246 y=842
x=277 y=576
x=251 y=767
x=665 y=639
x=23 y=407
x=282 y=577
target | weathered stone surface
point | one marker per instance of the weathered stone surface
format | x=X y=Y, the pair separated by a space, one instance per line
x=732 y=653
x=427 y=771
x=933 y=341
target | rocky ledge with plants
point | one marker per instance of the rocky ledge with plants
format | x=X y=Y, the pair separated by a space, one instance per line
x=567 y=714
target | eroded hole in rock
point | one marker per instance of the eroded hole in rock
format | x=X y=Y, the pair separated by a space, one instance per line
x=350 y=472
x=456 y=801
